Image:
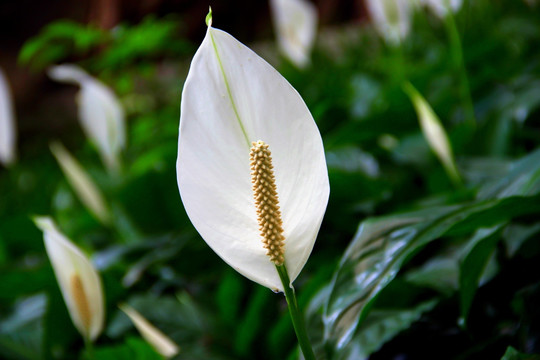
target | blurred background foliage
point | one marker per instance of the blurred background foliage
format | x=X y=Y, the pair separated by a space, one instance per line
x=406 y=265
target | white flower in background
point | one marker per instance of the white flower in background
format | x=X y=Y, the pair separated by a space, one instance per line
x=440 y=7
x=78 y=280
x=7 y=124
x=391 y=18
x=295 y=23
x=81 y=183
x=159 y=341
x=232 y=99
x=434 y=132
x=100 y=113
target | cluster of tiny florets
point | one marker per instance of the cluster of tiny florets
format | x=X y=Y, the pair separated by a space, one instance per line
x=81 y=302
x=266 y=201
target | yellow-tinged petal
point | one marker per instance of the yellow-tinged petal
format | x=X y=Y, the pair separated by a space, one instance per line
x=81 y=183
x=295 y=23
x=232 y=98
x=391 y=18
x=100 y=112
x=78 y=280
x=7 y=124
x=434 y=132
x=159 y=341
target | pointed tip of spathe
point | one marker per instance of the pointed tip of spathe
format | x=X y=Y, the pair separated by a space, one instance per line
x=157 y=339
x=42 y=222
x=55 y=146
x=67 y=73
x=209 y=17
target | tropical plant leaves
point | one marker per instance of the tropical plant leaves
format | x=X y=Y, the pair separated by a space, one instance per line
x=21 y=333
x=477 y=254
x=512 y=354
x=132 y=349
x=379 y=327
x=383 y=245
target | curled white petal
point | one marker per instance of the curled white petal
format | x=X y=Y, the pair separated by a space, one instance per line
x=233 y=97
x=81 y=183
x=441 y=7
x=434 y=132
x=100 y=112
x=295 y=23
x=392 y=18
x=159 y=341
x=7 y=124
x=78 y=280
x=71 y=74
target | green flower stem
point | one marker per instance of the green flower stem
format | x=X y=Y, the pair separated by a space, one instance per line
x=89 y=347
x=459 y=64
x=296 y=315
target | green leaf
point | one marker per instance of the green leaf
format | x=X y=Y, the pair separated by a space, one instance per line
x=373 y=259
x=60 y=333
x=59 y=40
x=516 y=235
x=523 y=178
x=180 y=319
x=379 y=327
x=383 y=245
x=150 y=38
x=439 y=273
x=132 y=349
x=479 y=250
x=513 y=354
x=21 y=334
x=19 y=282
x=249 y=327
x=229 y=297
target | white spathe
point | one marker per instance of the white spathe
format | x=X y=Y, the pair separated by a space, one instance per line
x=69 y=263
x=233 y=97
x=440 y=7
x=7 y=124
x=81 y=183
x=159 y=341
x=295 y=23
x=434 y=132
x=391 y=18
x=100 y=113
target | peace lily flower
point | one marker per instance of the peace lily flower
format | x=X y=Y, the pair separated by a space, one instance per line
x=81 y=183
x=236 y=106
x=441 y=7
x=392 y=18
x=434 y=132
x=100 y=113
x=295 y=23
x=78 y=280
x=159 y=341
x=7 y=123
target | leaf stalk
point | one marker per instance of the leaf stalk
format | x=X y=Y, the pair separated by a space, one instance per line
x=296 y=315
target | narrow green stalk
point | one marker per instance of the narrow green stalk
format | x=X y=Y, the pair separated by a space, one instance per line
x=453 y=174
x=296 y=315
x=89 y=349
x=398 y=63
x=459 y=64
